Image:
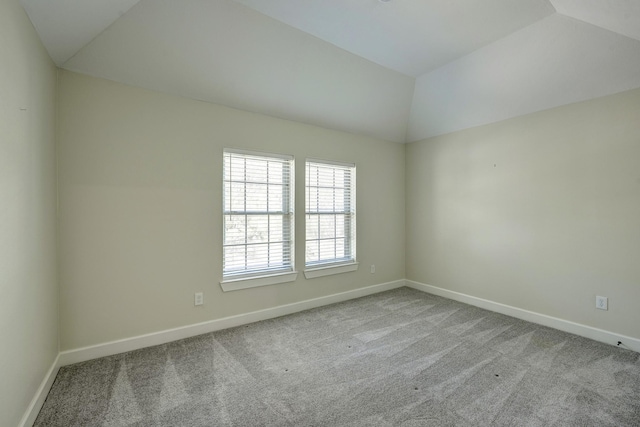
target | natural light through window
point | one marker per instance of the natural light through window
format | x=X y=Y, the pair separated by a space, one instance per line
x=330 y=214
x=258 y=214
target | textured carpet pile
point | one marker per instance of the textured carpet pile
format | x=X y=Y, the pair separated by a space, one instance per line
x=398 y=358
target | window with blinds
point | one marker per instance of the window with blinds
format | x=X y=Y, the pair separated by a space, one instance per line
x=330 y=213
x=258 y=214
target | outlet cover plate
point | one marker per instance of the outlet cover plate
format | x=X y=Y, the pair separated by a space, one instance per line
x=198 y=299
x=602 y=303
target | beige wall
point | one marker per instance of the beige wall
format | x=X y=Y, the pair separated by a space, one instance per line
x=28 y=277
x=540 y=212
x=140 y=185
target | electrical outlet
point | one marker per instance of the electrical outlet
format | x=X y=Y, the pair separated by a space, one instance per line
x=199 y=299
x=602 y=303
x=373 y=268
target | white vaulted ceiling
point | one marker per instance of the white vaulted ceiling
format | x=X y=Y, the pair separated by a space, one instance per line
x=66 y=26
x=412 y=37
x=402 y=70
x=619 y=16
x=556 y=61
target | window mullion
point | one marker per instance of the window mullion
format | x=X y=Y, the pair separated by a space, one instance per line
x=246 y=218
x=318 y=208
x=333 y=197
x=268 y=219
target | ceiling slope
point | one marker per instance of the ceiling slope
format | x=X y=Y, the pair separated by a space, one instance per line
x=620 y=16
x=65 y=26
x=556 y=61
x=316 y=61
x=409 y=36
x=223 y=52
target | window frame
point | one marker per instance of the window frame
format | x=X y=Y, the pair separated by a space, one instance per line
x=250 y=278
x=336 y=265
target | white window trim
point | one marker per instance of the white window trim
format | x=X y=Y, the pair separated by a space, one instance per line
x=256 y=281
x=328 y=270
x=330 y=162
x=259 y=153
x=231 y=283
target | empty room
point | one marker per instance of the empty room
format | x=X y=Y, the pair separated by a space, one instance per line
x=319 y=213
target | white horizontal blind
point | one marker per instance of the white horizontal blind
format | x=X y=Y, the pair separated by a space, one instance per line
x=330 y=213
x=258 y=214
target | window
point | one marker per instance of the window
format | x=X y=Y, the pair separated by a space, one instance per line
x=330 y=215
x=258 y=219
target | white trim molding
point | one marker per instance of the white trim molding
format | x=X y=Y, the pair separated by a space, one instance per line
x=36 y=403
x=590 y=332
x=254 y=282
x=128 y=344
x=312 y=273
x=162 y=337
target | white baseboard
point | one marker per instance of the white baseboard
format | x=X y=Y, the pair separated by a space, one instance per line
x=115 y=347
x=128 y=344
x=34 y=407
x=541 y=319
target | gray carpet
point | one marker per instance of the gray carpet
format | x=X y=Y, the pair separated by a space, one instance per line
x=399 y=358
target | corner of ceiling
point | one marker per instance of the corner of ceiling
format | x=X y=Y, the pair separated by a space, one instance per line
x=66 y=27
x=622 y=18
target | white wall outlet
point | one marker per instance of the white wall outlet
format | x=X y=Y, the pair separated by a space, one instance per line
x=373 y=268
x=199 y=299
x=602 y=303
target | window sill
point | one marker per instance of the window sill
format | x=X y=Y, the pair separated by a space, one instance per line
x=312 y=273
x=254 y=282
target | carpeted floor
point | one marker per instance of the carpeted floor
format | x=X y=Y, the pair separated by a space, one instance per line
x=398 y=358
